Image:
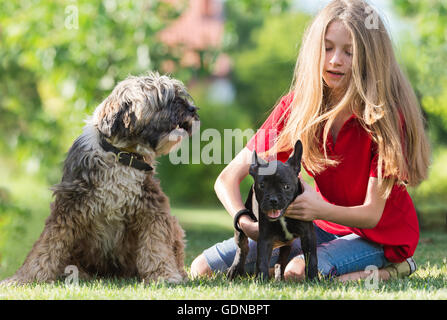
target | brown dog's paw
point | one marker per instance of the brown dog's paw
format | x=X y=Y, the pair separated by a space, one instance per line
x=176 y=278
x=12 y=281
x=184 y=275
x=6 y=283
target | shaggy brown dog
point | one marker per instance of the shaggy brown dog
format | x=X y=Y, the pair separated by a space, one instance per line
x=110 y=216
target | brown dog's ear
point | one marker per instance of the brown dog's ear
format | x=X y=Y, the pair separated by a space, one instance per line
x=115 y=118
x=295 y=160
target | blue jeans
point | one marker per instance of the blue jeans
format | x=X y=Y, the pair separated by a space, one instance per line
x=336 y=255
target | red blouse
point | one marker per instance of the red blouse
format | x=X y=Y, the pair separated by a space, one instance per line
x=346 y=184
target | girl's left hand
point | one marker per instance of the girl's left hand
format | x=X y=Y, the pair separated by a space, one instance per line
x=308 y=206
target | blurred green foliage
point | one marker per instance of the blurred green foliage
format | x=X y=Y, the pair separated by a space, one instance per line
x=54 y=70
x=59 y=59
x=424 y=54
x=262 y=49
x=9 y=210
x=63 y=59
x=264 y=70
x=193 y=183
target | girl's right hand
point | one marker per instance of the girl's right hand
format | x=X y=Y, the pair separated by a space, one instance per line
x=250 y=227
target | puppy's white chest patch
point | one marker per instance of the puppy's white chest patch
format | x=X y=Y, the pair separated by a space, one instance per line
x=283 y=222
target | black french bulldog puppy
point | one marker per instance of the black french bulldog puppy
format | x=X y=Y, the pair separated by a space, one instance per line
x=269 y=197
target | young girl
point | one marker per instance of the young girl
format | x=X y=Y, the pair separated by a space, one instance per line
x=363 y=141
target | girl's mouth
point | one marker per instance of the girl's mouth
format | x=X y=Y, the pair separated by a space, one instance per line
x=335 y=74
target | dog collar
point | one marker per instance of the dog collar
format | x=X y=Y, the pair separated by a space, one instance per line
x=130 y=159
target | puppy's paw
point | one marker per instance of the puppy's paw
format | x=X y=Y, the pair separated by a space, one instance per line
x=231 y=273
x=262 y=276
x=235 y=271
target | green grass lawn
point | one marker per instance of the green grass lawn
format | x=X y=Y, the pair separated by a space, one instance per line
x=205 y=227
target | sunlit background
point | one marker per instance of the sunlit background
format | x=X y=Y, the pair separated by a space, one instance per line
x=60 y=59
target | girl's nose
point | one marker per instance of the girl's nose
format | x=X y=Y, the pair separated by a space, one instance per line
x=336 y=59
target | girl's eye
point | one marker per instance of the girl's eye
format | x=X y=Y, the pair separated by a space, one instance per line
x=328 y=49
x=348 y=53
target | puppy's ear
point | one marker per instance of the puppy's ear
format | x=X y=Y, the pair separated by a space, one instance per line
x=253 y=171
x=256 y=162
x=295 y=160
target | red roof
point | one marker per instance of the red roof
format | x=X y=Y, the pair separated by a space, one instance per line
x=200 y=27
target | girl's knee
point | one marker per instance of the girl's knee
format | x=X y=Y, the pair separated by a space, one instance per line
x=326 y=266
x=199 y=267
x=295 y=270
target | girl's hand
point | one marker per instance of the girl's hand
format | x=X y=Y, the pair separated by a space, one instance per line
x=250 y=228
x=308 y=206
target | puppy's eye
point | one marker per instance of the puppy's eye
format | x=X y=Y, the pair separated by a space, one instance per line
x=261 y=185
x=286 y=187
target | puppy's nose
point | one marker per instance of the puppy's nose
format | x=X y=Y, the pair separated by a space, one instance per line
x=273 y=202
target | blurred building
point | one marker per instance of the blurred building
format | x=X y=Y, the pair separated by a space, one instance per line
x=196 y=36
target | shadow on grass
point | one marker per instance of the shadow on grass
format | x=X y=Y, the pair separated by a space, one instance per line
x=201 y=237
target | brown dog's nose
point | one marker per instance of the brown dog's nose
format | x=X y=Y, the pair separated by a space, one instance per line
x=192 y=108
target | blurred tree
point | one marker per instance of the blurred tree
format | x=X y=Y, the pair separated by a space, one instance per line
x=425 y=55
x=263 y=67
x=243 y=19
x=58 y=60
x=243 y=16
x=192 y=183
x=8 y=210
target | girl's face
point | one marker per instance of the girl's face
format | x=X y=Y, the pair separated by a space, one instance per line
x=338 y=62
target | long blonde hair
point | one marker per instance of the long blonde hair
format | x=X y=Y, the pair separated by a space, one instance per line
x=378 y=94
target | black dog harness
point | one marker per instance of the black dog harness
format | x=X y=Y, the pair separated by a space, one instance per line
x=130 y=159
